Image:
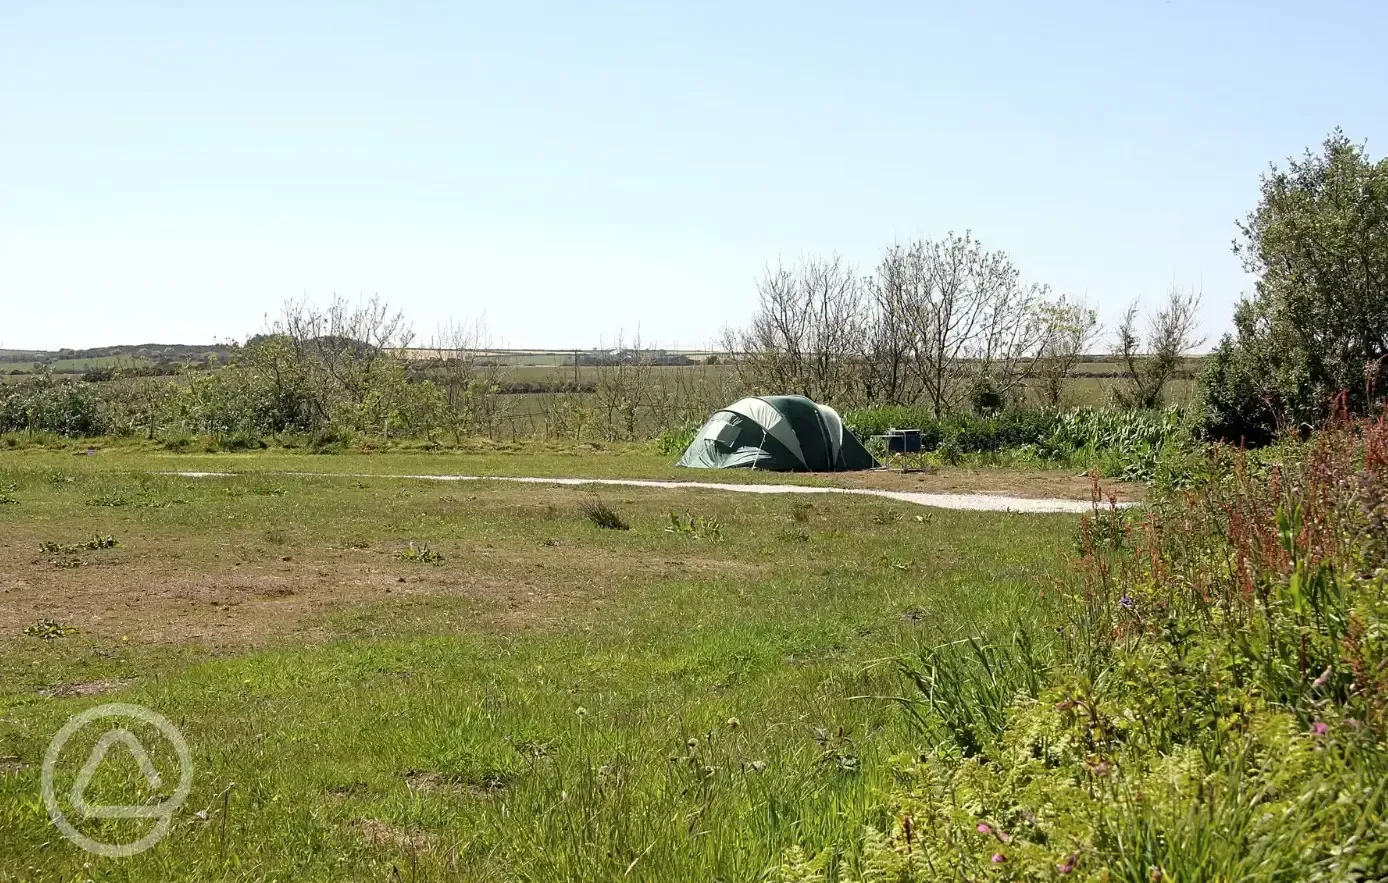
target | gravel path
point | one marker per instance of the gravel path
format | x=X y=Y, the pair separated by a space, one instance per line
x=972 y=502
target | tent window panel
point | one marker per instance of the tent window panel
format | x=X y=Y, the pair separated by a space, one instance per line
x=726 y=435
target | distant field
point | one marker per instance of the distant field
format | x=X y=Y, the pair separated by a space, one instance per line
x=533 y=382
x=67 y=366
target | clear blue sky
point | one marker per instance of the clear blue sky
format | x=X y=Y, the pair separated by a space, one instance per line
x=172 y=172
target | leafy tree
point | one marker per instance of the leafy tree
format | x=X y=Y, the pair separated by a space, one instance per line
x=1316 y=324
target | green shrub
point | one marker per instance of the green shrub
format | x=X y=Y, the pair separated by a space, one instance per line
x=673 y=442
x=239 y=441
x=64 y=407
x=1215 y=705
x=1309 y=338
x=1237 y=404
x=867 y=422
x=1133 y=445
x=329 y=440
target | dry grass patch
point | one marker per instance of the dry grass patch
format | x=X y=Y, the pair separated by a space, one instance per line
x=379 y=833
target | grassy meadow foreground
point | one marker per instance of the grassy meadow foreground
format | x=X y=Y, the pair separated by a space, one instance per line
x=387 y=679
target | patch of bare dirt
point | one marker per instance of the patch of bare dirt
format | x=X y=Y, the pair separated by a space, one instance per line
x=350 y=789
x=88 y=688
x=431 y=782
x=233 y=600
x=10 y=765
x=379 y=833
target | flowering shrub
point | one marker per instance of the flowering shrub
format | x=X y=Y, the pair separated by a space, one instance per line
x=1216 y=707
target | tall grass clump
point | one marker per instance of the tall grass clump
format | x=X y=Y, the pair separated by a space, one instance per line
x=602 y=515
x=1215 y=706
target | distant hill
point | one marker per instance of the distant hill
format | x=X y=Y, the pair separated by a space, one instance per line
x=71 y=361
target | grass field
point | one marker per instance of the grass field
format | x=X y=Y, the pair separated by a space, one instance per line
x=549 y=701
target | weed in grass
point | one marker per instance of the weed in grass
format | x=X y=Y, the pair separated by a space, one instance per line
x=7 y=497
x=603 y=515
x=1107 y=527
x=108 y=500
x=1219 y=669
x=701 y=527
x=47 y=630
x=91 y=545
x=837 y=751
x=800 y=511
x=886 y=515
x=420 y=554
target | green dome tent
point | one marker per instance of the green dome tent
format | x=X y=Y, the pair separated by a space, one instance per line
x=789 y=433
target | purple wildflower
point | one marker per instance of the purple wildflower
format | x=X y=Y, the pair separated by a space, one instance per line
x=999 y=858
x=1320 y=728
x=1127 y=603
x=984 y=828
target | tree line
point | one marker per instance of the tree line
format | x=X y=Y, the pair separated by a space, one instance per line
x=946 y=326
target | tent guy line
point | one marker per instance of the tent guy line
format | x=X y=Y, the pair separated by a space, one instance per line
x=966 y=502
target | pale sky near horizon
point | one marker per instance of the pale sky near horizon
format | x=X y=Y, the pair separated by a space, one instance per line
x=173 y=172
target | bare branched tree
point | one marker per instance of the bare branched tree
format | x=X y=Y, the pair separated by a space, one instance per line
x=1071 y=330
x=1152 y=361
x=624 y=387
x=469 y=376
x=890 y=341
x=937 y=322
x=974 y=323
x=807 y=334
